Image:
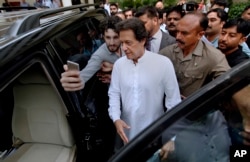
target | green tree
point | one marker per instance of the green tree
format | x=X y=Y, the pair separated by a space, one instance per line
x=236 y=9
x=168 y=3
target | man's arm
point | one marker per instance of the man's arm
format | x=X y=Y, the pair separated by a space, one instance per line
x=94 y=63
x=115 y=105
x=242 y=100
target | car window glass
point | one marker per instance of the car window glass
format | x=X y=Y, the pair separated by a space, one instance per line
x=206 y=137
x=80 y=42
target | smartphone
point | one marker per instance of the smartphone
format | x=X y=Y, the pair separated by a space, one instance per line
x=73 y=65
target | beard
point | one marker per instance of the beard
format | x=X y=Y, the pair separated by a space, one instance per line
x=225 y=48
x=113 y=48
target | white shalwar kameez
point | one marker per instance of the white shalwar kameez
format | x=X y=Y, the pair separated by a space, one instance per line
x=136 y=91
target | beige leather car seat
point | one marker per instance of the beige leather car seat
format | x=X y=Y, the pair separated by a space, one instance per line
x=39 y=121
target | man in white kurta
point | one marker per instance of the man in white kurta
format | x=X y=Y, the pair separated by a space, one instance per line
x=137 y=91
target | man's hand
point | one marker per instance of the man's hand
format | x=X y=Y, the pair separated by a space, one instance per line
x=106 y=66
x=242 y=100
x=105 y=78
x=181 y=2
x=166 y=149
x=120 y=126
x=70 y=80
x=105 y=74
x=246 y=138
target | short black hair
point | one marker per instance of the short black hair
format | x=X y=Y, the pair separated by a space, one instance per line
x=136 y=25
x=129 y=9
x=242 y=25
x=151 y=11
x=220 y=13
x=113 y=4
x=109 y=23
x=160 y=13
x=178 y=9
x=246 y=8
x=220 y=3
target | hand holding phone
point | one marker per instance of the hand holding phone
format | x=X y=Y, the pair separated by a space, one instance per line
x=73 y=66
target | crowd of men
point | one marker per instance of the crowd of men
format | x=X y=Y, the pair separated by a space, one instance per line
x=157 y=59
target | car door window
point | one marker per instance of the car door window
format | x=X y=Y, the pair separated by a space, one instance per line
x=80 y=42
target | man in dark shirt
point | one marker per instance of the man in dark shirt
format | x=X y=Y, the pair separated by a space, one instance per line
x=234 y=33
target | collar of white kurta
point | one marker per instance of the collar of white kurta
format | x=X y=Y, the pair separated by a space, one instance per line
x=143 y=57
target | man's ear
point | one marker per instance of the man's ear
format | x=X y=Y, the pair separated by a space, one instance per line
x=200 y=34
x=243 y=39
x=155 y=19
x=144 y=40
x=222 y=23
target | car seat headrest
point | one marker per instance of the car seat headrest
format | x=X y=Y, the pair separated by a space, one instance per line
x=33 y=76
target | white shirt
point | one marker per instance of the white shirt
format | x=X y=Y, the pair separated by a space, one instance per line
x=156 y=42
x=136 y=92
x=163 y=28
x=106 y=7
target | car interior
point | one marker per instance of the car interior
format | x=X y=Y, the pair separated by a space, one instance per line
x=37 y=125
x=70 y=47
x=40 y=128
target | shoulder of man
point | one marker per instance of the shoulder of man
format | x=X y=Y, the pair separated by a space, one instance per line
x=102 y=50
x=215 y=57
x=211 y=50
x=168 y=50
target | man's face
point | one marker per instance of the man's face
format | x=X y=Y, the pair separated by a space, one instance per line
x=159 y=5
x=172 y=20
x=113 y=10
x=214 y=24
x=229 y=39
x=246 y=15
x=188 y=32
x=128 y=14
x=149 y=23
x=112 y=40
x=81 y=39
x=133 y=48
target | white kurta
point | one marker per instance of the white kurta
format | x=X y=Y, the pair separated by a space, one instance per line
x=136 y=92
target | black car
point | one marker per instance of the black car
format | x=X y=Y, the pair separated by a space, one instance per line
x=42 y=115
x=40 y=122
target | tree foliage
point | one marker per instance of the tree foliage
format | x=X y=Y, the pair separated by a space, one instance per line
x=236 y=9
